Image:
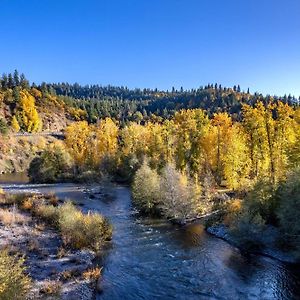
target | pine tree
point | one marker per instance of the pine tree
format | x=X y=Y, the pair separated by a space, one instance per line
x=10 y=82
x=24 y=82
x=16 y=78
x=4 y=81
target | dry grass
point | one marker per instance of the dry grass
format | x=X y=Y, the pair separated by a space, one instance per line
x=27 y=204
x=61 y=252
x=51 y=287
x=83 y=231
x=10 y=217
x=53 y=200
x=78 y=230
x=92 y=274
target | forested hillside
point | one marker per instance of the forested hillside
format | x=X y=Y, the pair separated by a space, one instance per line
x=30 y=108
x=124 y=104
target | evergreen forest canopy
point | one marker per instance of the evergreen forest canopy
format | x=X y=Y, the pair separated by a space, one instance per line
x=95 y=102
x=124 y=104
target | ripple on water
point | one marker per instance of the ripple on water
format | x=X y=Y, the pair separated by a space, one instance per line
x=150 y=259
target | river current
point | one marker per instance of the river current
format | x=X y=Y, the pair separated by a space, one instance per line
x=152 y=259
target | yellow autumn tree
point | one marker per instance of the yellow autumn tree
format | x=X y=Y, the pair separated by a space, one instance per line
x=15 y=124
x=190 y=128
x=79 y=141
x=157 y=152
x=270 y=130
x=223 y=124
x=236 y=161
x=254 y=124
x=135 y=140
x=107 y=139
x=27 y=114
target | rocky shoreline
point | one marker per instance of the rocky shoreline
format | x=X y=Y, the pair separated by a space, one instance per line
x=269 y=248
x=54 y=270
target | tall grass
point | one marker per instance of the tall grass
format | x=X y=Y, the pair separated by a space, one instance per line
x=78 y=230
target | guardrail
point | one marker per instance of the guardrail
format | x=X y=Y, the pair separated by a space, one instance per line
x=28 y=134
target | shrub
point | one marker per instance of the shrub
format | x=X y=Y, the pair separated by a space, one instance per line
x=83 y=231
x=288 y=195
x=92 y=274
x=14 y=283
x=17 y=199
x=180 y=195
x=247 y=218
x=3 y=127
x=78 y=230
x=52 y=288
x=261 y=200
x=48 y=213
x=145 y=188
x=12 y=217
x=247 y=231
x=27 y=204
x=174 y=194
x=231 y=211
x=50 y=166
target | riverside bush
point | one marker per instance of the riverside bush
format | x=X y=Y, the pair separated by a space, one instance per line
x=288 y=196
x=269 y=204
x=80 y=230
x=14 y=283
x=48 y=213
x=51 y=166
x=172 y=193
x=3 y=127
x=146 y=189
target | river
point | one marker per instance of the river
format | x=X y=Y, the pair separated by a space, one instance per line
x=151 y=259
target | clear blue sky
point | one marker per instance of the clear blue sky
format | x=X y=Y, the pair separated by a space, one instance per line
x=155 y=43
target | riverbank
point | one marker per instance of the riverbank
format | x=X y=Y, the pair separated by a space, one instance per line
x=269 y=248
x=55 y=269
x=152 y=259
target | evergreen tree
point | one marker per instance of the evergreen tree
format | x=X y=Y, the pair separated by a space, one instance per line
x=16 y=78
x=24 y=82
x=4 y=81
x=10 y=82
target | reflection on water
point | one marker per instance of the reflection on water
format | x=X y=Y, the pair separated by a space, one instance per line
x=151 y=259
x=14 y=178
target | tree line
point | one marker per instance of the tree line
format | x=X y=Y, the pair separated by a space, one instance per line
x=94 y=102
x=265 y=143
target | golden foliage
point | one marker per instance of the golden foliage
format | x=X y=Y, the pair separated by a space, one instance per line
x=14 y=283
x=27 y=114
x=92 y=274
x=15 y=124
x=263 y=144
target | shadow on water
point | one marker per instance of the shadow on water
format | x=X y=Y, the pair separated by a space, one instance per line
x=14 y=178
x=152 y=259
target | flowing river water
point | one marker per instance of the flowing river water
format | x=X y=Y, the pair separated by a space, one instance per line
x=152 y=259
